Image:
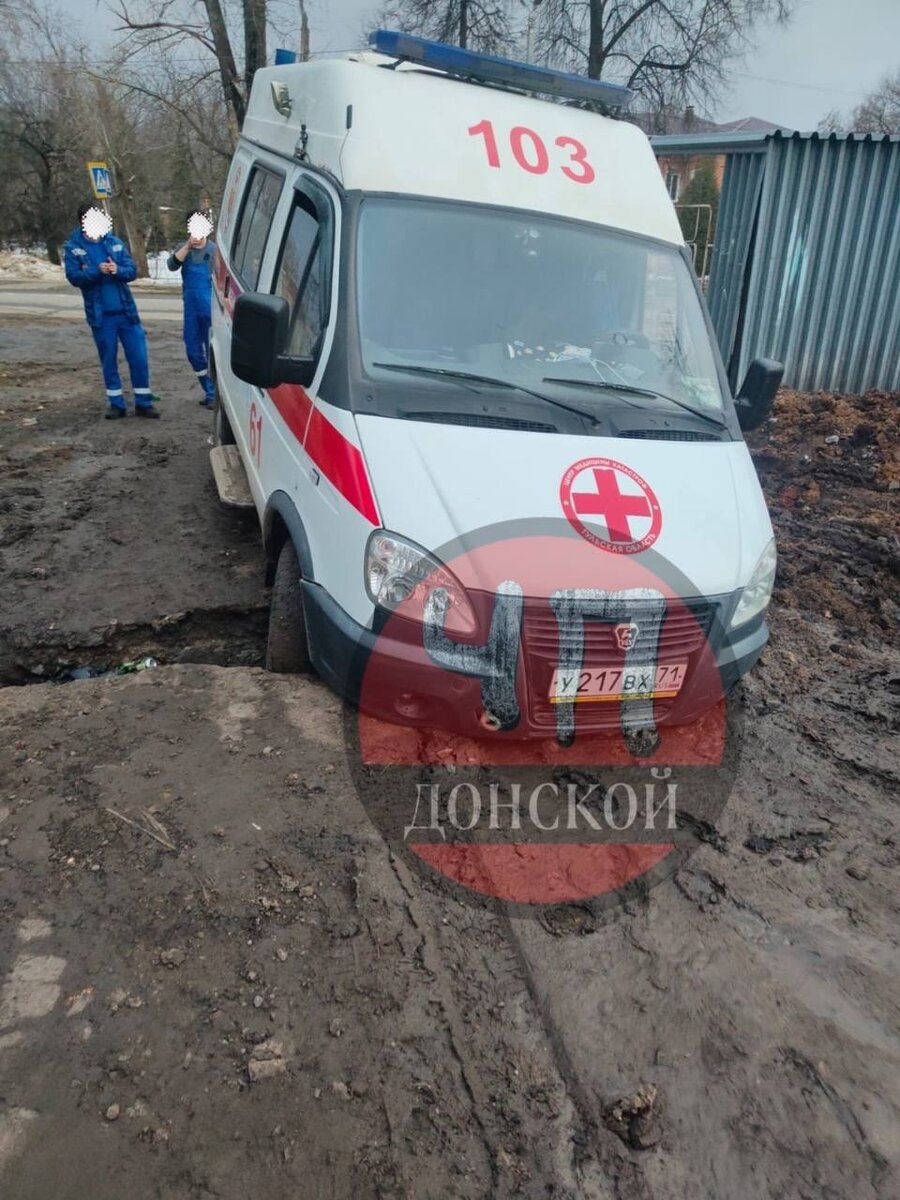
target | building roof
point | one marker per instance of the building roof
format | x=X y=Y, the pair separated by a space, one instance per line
x=687 y=121
x=749 y=125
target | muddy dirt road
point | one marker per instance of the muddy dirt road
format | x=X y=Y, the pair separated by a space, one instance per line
x=112 y=537
x=217 y=981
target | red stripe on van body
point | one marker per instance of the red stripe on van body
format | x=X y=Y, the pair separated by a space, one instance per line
x=342 y=463
x=338 y=459
x=294 y=406
x=225 y=285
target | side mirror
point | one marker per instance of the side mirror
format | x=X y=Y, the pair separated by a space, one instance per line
x=754 y=400
x=259 y=332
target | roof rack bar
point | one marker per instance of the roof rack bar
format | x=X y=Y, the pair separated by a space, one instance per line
x=504 y=72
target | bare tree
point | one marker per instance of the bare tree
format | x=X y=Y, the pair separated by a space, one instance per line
x=254 y=39
x=669 y=51
x=232 y=91
x=159 y=122
x=163 y=27
x=234 y=36
x=880 y=111
x=43 y=146
x=118 y=129
x=832 y=122
x=479 y=24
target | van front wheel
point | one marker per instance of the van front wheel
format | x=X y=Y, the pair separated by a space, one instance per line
x=287 y=648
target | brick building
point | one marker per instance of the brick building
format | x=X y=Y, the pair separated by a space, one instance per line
x=678 y=169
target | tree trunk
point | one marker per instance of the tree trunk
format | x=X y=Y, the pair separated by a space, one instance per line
x=228 y=74
x=596 y=52
x=463 y=23
x=50 y=239
x=134 y=233
x=254 y=39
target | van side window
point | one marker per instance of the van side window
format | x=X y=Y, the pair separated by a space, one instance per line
x=253 y=227
x=300 y=280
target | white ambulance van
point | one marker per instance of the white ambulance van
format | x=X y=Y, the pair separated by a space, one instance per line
x=442 y=305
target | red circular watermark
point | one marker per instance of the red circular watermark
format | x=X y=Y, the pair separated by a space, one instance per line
x=602 y=491
x=545 y=791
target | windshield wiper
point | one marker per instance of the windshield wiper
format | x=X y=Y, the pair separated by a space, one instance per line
x=609 y=386
x=469 y=376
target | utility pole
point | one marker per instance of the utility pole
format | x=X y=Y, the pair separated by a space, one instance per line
x=304 y=32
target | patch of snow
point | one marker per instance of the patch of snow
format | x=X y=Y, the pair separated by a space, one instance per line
x=159 y=273
x=24 y=264
x=21 y=263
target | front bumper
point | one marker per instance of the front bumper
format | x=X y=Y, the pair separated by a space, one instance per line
x=412 y=691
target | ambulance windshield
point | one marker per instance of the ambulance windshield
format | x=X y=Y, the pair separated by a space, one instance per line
x=530 y=298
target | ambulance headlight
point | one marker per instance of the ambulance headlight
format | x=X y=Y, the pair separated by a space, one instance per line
x=758 y=592
x=400 y=572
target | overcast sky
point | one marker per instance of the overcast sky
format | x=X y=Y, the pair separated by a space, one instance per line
x=829 y=56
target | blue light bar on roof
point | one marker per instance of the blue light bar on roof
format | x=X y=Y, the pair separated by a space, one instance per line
x=504 y=72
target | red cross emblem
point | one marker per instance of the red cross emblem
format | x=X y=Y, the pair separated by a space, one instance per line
x=621 y=507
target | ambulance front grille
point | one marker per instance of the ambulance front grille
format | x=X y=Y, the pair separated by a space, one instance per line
x=684 y=631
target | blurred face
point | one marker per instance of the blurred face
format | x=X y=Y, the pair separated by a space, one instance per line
x=96 y=224
x=199 y=228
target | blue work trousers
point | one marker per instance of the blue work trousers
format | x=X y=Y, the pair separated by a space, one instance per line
x=196 y=342
x=117 y=328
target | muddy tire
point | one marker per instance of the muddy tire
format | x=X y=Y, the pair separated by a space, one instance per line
x=287 y=649
x=221 y=425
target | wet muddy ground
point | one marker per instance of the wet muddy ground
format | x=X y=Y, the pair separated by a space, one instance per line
x=216 y=980
x=112 y=540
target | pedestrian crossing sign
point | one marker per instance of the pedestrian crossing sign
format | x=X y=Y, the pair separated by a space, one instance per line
x=101 y=180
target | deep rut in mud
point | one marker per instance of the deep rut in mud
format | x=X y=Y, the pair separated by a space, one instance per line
x=225 y=637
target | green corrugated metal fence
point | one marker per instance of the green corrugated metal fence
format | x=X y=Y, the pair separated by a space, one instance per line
x=806 y=264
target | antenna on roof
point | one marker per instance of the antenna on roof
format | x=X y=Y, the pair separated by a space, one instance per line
x=501 y=72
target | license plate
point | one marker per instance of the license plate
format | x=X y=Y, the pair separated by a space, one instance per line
x=608 y=684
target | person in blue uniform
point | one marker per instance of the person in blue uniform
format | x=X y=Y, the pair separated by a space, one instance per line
x=194 y=259
x=99 y=263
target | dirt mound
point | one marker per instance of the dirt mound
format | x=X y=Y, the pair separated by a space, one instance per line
x=857 y=436
x=854 y=436
x=830 y=468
